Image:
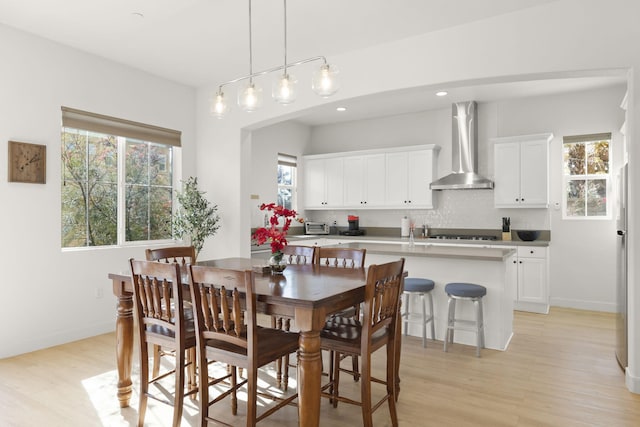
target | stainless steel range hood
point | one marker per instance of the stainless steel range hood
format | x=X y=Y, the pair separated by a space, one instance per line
x=464 y=152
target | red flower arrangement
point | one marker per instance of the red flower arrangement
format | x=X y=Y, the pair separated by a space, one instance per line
x=277 y=237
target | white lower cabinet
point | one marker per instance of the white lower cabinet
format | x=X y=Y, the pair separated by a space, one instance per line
x=533 y=279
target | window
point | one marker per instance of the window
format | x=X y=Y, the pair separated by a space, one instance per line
x=586 y=175
x=287 y=166
x=117 y=180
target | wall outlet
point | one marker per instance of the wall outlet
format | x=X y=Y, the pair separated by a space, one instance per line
x=99 y=293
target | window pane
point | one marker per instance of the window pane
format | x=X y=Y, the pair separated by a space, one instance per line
x=574 y=159
x=575 y=198
x=597 y=197
x=103 y=221
x=160 y=158
x=285 y=175
x=137 y=213
x=137 y=162
x=74 y=224
x=285 y=197
x=598 y=157
x=160 y=213
x=89 y=189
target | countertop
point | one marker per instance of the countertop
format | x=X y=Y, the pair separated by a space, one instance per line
x=425 y=250
x=418 y=240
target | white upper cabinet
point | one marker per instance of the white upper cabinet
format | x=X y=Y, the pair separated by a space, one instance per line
x=522 y=171
x=371 y=179
x=409 y=174
x=323 y=182
x=364 y=180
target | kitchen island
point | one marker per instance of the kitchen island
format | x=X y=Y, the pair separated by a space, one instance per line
x=493 y=268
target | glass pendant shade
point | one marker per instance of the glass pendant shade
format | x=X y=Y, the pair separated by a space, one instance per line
x=285 y=89
x=219 y=106
x=250 y=97
x=325 y=81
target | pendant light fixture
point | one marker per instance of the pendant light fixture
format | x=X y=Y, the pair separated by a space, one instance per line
x=284 y=89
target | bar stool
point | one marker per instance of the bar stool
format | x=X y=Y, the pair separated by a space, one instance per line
x=422 y=287
x=465 y=292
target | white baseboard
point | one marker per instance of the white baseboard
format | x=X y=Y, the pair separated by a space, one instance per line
x=632 y=382
x=51 y=340
x=609 y=307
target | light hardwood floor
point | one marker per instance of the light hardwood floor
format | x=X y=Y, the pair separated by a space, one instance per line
x=560 y=370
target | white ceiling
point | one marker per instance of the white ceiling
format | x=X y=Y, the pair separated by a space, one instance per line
x=198 y=42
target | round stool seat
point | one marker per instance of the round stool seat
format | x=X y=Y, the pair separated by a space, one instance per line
x=466 y=290
x=414 y=284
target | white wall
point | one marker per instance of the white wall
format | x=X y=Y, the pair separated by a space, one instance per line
x=287 y=138
x=49 y=295
x=551 y=39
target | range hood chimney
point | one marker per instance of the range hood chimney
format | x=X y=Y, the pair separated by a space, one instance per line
x=464 y=152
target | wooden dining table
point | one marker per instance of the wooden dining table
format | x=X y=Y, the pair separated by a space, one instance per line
x=308 y=293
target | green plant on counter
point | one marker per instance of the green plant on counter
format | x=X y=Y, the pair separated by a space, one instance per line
x=196 y=218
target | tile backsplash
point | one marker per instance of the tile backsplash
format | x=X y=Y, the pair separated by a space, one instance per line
x=454 y=209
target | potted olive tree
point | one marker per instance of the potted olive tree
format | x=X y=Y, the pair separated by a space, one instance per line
x=196 y=217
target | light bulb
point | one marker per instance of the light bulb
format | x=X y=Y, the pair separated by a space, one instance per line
x=219 y=105
x=284 y=89
x=325 y=81
x=250 y=98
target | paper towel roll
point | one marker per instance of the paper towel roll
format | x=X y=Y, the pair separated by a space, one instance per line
x=404 y=227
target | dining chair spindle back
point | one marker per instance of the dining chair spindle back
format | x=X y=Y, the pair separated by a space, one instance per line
x=377 y=329
x=226 y=331
x=162 y=321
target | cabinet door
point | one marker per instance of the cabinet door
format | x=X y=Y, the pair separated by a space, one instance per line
x=396 y=185
x=532 y=280
x=375 y=178
x=354 y=184
x=314 y=183
x=334 y=183
x=507 y=174
x=420 y=175
x=534 y=165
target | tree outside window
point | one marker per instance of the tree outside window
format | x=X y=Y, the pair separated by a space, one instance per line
x=92 y=199
x=287 y=168
x=586 y=176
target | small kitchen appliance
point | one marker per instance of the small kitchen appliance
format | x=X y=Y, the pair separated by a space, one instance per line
x=311 y=227
x=354 y=227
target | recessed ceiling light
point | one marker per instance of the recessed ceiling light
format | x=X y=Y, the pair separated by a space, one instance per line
x=341 y=109
x=442 y=93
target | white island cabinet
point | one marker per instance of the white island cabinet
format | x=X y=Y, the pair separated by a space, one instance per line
x=533 y=280
x=522 y=171
x=489 y=267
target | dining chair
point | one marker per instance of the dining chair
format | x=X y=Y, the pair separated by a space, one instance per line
x=343 y=258
x=162 y=321
x=181 y=255
x=293 y=254
x=378 y=329
x=226 y=331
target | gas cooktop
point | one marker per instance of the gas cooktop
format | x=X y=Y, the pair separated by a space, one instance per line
x=462 y=237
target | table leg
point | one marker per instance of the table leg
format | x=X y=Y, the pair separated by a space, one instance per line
x=309 y=366
x=124 y=346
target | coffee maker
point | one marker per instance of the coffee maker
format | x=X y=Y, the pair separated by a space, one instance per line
x=354 y=227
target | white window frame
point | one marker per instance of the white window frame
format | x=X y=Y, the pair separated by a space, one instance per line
x=124 y=129
x=587 y=177
x=289 y=160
